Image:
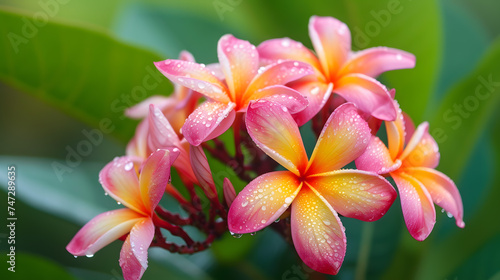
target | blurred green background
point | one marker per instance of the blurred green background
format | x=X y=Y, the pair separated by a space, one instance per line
x=68 y=68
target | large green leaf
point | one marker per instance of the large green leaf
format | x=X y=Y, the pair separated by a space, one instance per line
x=465 y=112
x=86 y=73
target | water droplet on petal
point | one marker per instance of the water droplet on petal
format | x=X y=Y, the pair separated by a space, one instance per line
x=90 y=255
x=129 y=166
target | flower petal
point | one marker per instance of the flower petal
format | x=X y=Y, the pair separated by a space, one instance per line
x=279 y=73
x=262 y=201
x=355 y=194
x=239 y=61
x=416 y=138
x=138 y=145
x=141 y=110
x=442 y=190
x=274 y=131
x=417 y=206
x=119 y=179
x=344 y=137
x=375 y=61
x=134 y=253
x=425 y=154
x=368 y=94
x=155 y=176
x=194 y=76
x=396 y=134
x=229 y=192
x=290 y=98
x=317 y=94
x=331 y=39
x=202 y=171
x=275 y=50
x=317 y=232
x=376 y=158
x=208 y=121
x=102 y=230
x=161 y=134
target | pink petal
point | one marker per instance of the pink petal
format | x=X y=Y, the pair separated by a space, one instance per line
x=331 y=39
x=216 y=71
x=102 y=230
x=202 y=171
x=141 y=110
x=155 y=176
x=396 y=134
x=119 y=179
x=368 y=94
x=262 y=201
x=415 y=140
x=279 y=73
x=274 y=131
x=229 y=192
x=239 y=61
x=425 y=153
x=442 y=190
x=417 y=206
x=186 y=56
x=355 y=194
x=194 y=76
x=290 y=98
x=345 y=136
x=376 y=158
x=161 y=134
x=375 y=61
x=138 y=145
x=134 y=253
x=275 y=50
x=317 y=94
x=317 y=232
x=208 y=121
x=183 y=164
x=409 y=127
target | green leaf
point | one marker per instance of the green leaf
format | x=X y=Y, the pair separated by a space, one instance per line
x=29 y=266
x=465 y=112
x=84 y=72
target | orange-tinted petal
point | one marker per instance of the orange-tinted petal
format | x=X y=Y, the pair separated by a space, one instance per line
x=396 y=134
x=274 y=131
x=355 y=194
x=343 y=139
x=376 y=158
x=425 y=154
x=317 y=232
x=262 y=201
x=317 y=94
x=201 y=170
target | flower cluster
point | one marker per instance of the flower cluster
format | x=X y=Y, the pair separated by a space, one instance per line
x=264 y=94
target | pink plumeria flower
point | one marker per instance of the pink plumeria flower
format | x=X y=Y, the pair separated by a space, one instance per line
x=351 y=74
x=175 y=107
x=410 y=159
x=244 y=82
x=140 y=194
x=317 y=189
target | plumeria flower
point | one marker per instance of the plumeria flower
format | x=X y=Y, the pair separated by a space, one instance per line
x=351 y=74
x=140 y=194
x=175 y=107
x=410 y=159
x=316 y=189
x=244 y=82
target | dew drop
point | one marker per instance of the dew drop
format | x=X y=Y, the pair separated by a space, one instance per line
x=236 y=235
x=285 y=43
x=288 y=200
x=129 y=166
x=118 y=202
x=90 y=255
x=399 y=57
x=315 y=90
x=244 y=203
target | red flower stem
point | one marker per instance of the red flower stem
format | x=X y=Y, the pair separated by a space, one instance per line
x=175 y=219
x=183 y=249
x=171 y=190
x=175 y=230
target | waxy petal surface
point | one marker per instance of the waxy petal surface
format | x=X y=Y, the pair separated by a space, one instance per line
x=138 y=145
x=368 y=94
x=274 y=131
x=375 y=61
x=239 y=61
x=262 y=201
x=208 y=121
x=317 y=232
x=396 y=134
x=274 y=50
x=155 y=176
x=290 y=98
x=194 y=76
x=202 y=171
x=414 y=142
x=331 y=39
x=442 y=190
x=343 y=139
x=161 y=133
x=141 y=110
x=355 y=194
x=425 y=154
x=102 y=230
x=417 y=206
x=317 y=94
x=134 y=253
x=119 y=179
x=376 y=158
